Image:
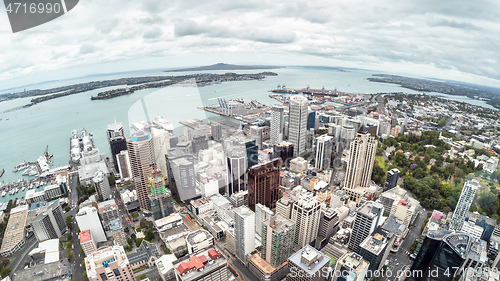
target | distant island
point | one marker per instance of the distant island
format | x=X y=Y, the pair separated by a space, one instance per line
x=225 y=66
x=448 y=88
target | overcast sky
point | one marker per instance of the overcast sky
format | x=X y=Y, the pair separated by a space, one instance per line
x=456 y=39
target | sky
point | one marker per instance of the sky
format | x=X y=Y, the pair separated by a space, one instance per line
x=443 y=39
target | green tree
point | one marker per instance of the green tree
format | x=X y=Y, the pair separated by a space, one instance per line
x=142 y=276
x=138 y=242
x=149 y=235
x=5 y=262
x=5 y=272
x=70 y=255
x=84 y=274
x=70 y=236
x=69 y=221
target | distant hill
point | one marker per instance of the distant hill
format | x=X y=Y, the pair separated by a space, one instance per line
x=225 y=66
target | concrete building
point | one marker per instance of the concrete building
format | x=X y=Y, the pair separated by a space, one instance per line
x=185 y=180
x=298 y=165
x=306 y=214
x=122 y=160
x=199 y=240
x=102 y=186
x=263 y=184
x=390 y=196
x=277 y=124
x=277 y=239
x=368 y=217
x=141 y=152
x=376 y=247
x=108 y=211
x=329 y=223
x=50 y=224
x=297 y=127
x=463 y=205
x=60 y=271
x=391 y=179
x=347 y=134
x=324 y=147
x=262 y=213
x=239 y=199
x=244 y=232
x=209 y=186
x=216 y=129
x=283 y=150
x=352 y=265
x=117 y=233
x=360 y=165
x=166 y=268
x=87 y=243
x=404 y=210
x=308 y=264
x=160 y=197
x=87 y=218
x=15 y=231
x=146 y=255
x=206 y=265
x=110 y=263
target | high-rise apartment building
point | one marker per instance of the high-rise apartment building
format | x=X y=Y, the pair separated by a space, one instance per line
x=277 y=239
x=324 y=146
x=87 y=218
x=391 y=179
x=116 y=141
x=108 y=211
x=308 y=264
x=110 y=263
x=463 y=205
x=306 y=214
x=141 y=154
x=50 y=224
x=277 y=124
x=87 y=243
x=368 y=217
x=263 y=184
x=244 y=232
x=262 y=213
x=359 y=168
x=298 y=124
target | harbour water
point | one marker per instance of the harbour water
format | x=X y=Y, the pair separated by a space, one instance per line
x=25 y=133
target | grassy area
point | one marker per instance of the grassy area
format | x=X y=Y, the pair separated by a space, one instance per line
x=141 y=268
x=334 y=260
x=381 y=162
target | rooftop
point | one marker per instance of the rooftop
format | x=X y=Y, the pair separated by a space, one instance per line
x=14 y=231
x=85 y=236
x=50 y=248
x=167 y=220
x=45 y=272
x=190 y=266
x=164 y=263
x=103 y=257
x=144 y=252
x=198 y=236
x=309 y=259
x=263 y=265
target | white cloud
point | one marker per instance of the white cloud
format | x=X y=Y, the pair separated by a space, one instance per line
x=445 y=39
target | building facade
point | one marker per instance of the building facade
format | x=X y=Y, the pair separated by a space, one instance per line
x=263 y=184
x=297 y=127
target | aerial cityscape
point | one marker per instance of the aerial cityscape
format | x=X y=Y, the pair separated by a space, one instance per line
x=250 y=141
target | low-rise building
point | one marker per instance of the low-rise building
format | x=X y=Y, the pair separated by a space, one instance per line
x=307 y=265
x=147 y=254
x=87 y=243
x=110 y=263
x=59 y=271
x=352 y=265
x=166 y=268
x=208 y=264
x=198 y=240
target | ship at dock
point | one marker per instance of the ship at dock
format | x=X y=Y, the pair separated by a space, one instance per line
x=79 y=144
x=282 y=89
x=1 y=172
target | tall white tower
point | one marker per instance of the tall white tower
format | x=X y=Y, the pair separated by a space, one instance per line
x=277 y=124
x=463 y=205
x=297 y=127
x=244 y=232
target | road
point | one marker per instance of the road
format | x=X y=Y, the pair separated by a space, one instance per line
x=243 y=272
x=21 y=257
x=399 y=259
x=73 y=194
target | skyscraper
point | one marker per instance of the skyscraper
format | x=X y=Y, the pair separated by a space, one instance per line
x=50 y=223
x=141 y=154
x=244 y=232
x=262 y=213
x=216 y=131
x=160 y=197
x=391 y=179
x=263 y=184
x=359 y=168
x=87 y=218
x=102 y=186
x=298 y=124
x=324 y=145
x=185 y=180
x=277 y=124
x=123 y=162
x=367 y=219
x=116 y=141
x=236 y=166
x=283 y=150
x=306 y=213
x=463 y=205
x=277 y=239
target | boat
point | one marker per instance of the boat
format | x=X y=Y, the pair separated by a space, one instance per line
x=21 y=166
x=1 y=172
x=4 y=193
x=24 y=188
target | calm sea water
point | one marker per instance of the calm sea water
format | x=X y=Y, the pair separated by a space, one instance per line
x=25 y=133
